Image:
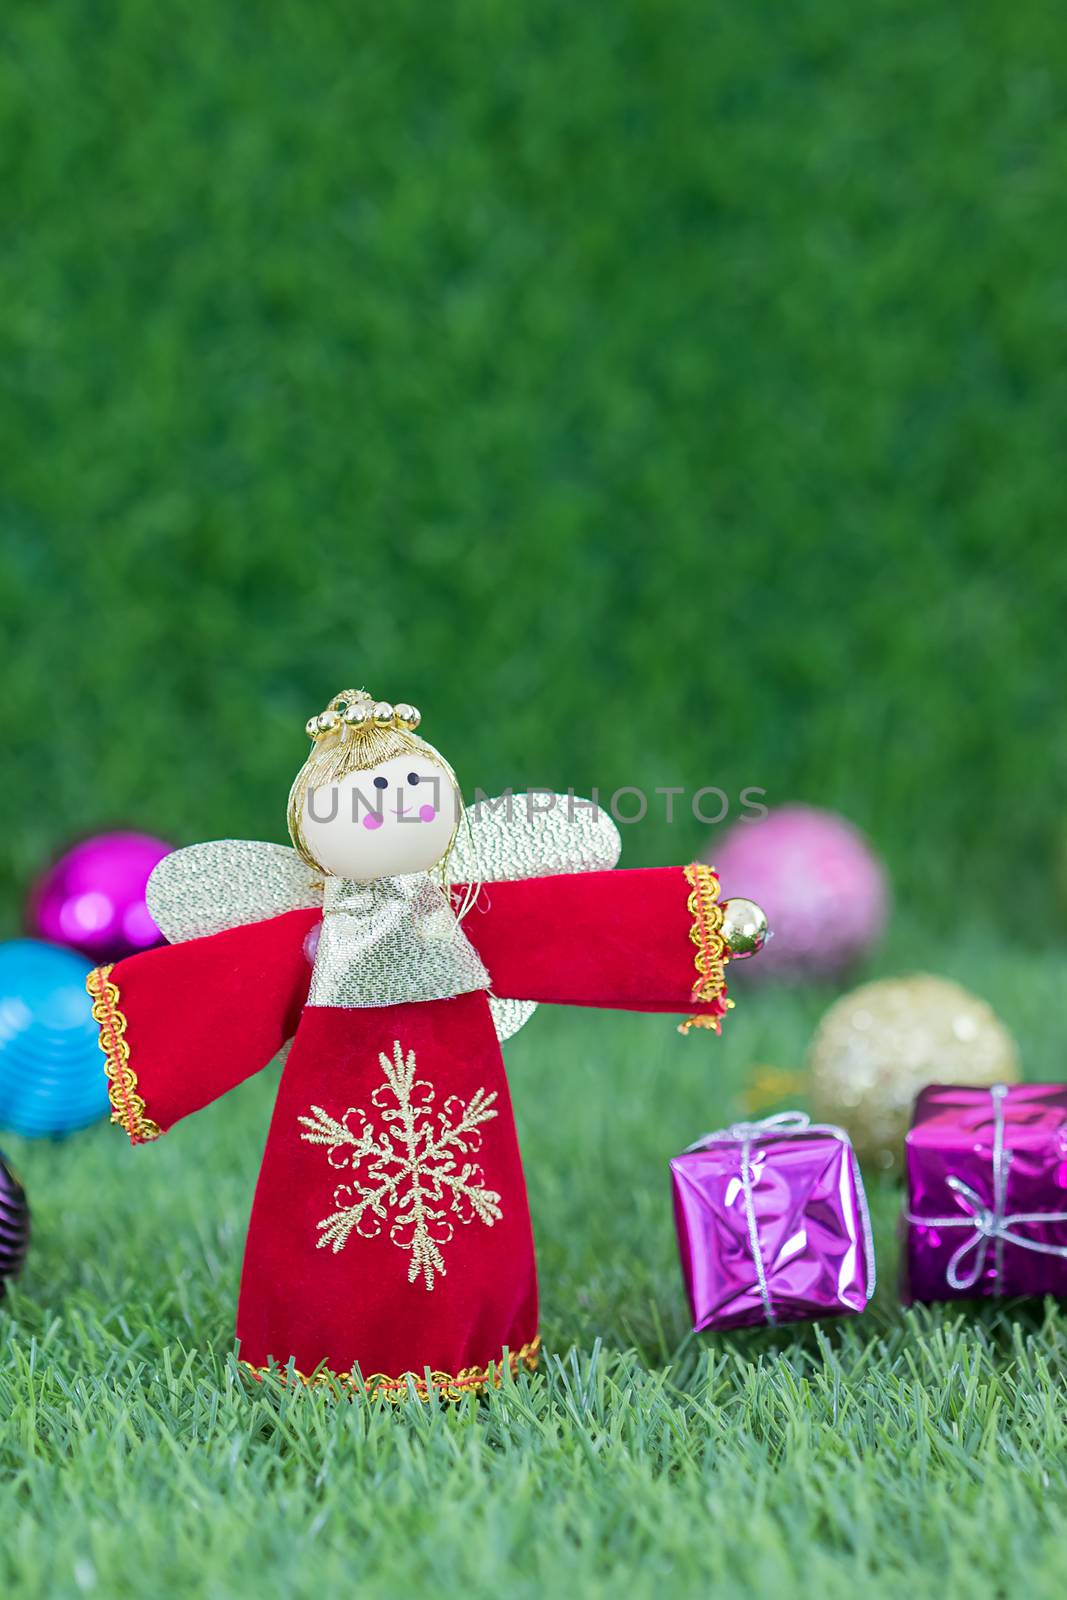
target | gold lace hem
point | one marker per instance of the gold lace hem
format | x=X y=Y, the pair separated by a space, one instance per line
x=445 y=1385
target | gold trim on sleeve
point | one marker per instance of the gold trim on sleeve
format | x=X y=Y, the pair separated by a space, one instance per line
x=127 y=1106
x=711 y=950
x=445 y=1385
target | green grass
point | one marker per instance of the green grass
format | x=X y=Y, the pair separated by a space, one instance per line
x=656 y=393
x=916 y=1452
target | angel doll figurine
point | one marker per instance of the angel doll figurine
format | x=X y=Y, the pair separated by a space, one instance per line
x=390 y=1244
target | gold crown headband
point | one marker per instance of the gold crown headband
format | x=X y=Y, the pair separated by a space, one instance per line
x=355 y=708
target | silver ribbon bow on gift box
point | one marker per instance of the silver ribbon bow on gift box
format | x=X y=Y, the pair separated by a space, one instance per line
x=785 y=1123
x=990 y=1224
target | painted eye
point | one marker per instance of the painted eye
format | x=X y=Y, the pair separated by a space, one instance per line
x=413 y=778
x=381 y=783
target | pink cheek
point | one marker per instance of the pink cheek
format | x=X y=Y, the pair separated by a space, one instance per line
x=372 y=820
x=426 y=813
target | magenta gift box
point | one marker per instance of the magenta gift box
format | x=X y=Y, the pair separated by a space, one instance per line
x=986 y=1212
x=772 y=1224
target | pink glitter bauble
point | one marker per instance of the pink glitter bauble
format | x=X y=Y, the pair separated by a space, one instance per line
x=93 y=897
x=824 y=890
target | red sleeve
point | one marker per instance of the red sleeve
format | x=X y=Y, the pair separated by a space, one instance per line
x=184 y=1024
x=644 y=940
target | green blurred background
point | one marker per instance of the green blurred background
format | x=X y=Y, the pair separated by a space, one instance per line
x=654 y=393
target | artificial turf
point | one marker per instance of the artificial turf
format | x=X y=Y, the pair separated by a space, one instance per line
x=911 y=1451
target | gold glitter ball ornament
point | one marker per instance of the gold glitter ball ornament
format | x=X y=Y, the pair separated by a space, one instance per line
x=878 y=1046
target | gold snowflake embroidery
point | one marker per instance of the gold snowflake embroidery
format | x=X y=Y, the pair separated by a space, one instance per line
x=412 y=1173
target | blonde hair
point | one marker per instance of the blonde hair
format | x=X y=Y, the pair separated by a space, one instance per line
x=359 y=750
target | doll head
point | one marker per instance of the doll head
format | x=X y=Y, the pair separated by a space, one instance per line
x=372 y=800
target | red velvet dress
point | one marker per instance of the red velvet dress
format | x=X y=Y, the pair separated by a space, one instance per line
x=390 y=1233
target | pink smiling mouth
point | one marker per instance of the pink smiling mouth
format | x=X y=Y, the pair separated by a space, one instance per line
x=374 y=819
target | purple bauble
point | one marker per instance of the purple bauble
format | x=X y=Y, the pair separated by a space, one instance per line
x=824 y=890
x=93 y=897
x=14 y=1224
